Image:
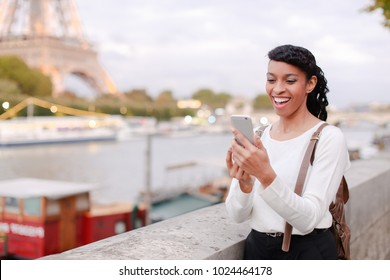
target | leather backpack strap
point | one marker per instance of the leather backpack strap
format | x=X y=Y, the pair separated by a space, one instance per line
x=307 y=159
x=342 y=192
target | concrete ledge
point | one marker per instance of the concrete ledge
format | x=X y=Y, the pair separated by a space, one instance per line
x=209 y=234
x=369 y=210
x=203 y=234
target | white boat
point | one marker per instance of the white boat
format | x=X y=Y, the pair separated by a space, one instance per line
x=45 y=130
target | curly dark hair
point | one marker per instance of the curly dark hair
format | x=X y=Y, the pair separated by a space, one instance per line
x=305 y=60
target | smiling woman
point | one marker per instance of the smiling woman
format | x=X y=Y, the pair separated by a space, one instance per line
x=298 y=71
x=264 y=173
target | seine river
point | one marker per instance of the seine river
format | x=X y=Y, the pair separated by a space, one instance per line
x=118 y=167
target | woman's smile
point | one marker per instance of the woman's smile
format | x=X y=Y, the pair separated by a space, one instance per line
x=280 y=101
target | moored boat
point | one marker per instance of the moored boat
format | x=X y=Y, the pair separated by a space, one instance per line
x=46 y=130
x=42 y=217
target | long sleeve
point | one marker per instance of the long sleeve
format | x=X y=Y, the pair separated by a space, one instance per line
x=239 y=204
x=269 y=208
x=322 y=181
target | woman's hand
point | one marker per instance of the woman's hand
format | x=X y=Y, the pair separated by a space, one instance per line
x=252 y=159
x=246 y=181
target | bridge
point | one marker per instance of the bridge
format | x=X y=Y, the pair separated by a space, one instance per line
x=380 y=118
x=54 y=108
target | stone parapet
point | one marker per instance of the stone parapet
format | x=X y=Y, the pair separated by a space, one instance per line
x=368 y=211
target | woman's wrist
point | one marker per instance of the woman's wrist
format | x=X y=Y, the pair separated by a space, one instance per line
x=246 y=186
x=266 y=178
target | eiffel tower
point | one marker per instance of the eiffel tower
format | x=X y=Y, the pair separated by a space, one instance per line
x=47 y=35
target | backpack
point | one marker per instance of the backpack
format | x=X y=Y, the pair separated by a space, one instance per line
x=340 y=228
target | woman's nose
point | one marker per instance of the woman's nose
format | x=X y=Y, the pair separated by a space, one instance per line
x=278 y=88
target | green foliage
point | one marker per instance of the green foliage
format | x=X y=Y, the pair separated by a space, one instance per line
x=204 y=95
x=165 y=99
x=165 y=107
x=29 y=81
x=107 y=103
x=12 y=99
x=212 y=99
x=18 y=81
x=262 y=102
x=8 y=87
x=221 y=100
x=42 y=85
x=133 y=103
x=383 y=5
x=138 y=96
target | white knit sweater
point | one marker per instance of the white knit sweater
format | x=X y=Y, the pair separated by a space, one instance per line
x=268 y=209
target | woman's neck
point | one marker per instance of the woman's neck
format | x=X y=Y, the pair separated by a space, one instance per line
x=290 y=127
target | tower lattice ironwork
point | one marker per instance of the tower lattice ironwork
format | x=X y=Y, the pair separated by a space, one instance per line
x=47 y=34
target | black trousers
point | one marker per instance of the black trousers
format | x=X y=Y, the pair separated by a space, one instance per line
x=318 y=245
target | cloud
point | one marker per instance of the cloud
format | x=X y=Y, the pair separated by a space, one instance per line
x=338 y=51
x=222 y=44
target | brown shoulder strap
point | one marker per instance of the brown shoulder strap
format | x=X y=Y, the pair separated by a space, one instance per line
x=260 y=130
x=342 y=194
x=308 y=158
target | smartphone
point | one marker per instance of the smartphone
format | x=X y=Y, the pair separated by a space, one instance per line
x=244 y=124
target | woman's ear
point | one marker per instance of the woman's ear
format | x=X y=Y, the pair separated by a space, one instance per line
x=311 y=84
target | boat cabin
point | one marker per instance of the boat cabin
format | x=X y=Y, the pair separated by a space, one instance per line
x=42 y=217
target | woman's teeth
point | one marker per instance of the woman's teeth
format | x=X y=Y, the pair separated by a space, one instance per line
x=281 y=100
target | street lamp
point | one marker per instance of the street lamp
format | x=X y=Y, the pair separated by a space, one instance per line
x=5 y=105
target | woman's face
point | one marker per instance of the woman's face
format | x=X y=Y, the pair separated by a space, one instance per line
x=288 y=88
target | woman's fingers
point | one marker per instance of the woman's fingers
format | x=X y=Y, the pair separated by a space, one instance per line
x=229 y=159
x=241 y=139
x=258 y=143
x=234 y=170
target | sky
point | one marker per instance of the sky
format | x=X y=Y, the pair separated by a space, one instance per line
x=183 y=45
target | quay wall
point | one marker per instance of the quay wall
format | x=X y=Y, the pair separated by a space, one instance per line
x=209 y=234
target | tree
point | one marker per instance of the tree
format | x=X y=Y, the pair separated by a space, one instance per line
x=212 y=99
x=165 y=106
x=221 y=99
x=262 y=101
x=204 y=95
x=42 y=85
x=385 y=6
x=9 y=87
x=165 y=99
x=138 y=96
x=30 y=81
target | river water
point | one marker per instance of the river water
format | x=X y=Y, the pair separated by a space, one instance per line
x=118 y=167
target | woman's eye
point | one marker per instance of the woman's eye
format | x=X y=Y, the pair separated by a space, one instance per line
x=291 y=81
x=270 y=80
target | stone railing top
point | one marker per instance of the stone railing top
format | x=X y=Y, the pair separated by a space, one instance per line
x=203 y=234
